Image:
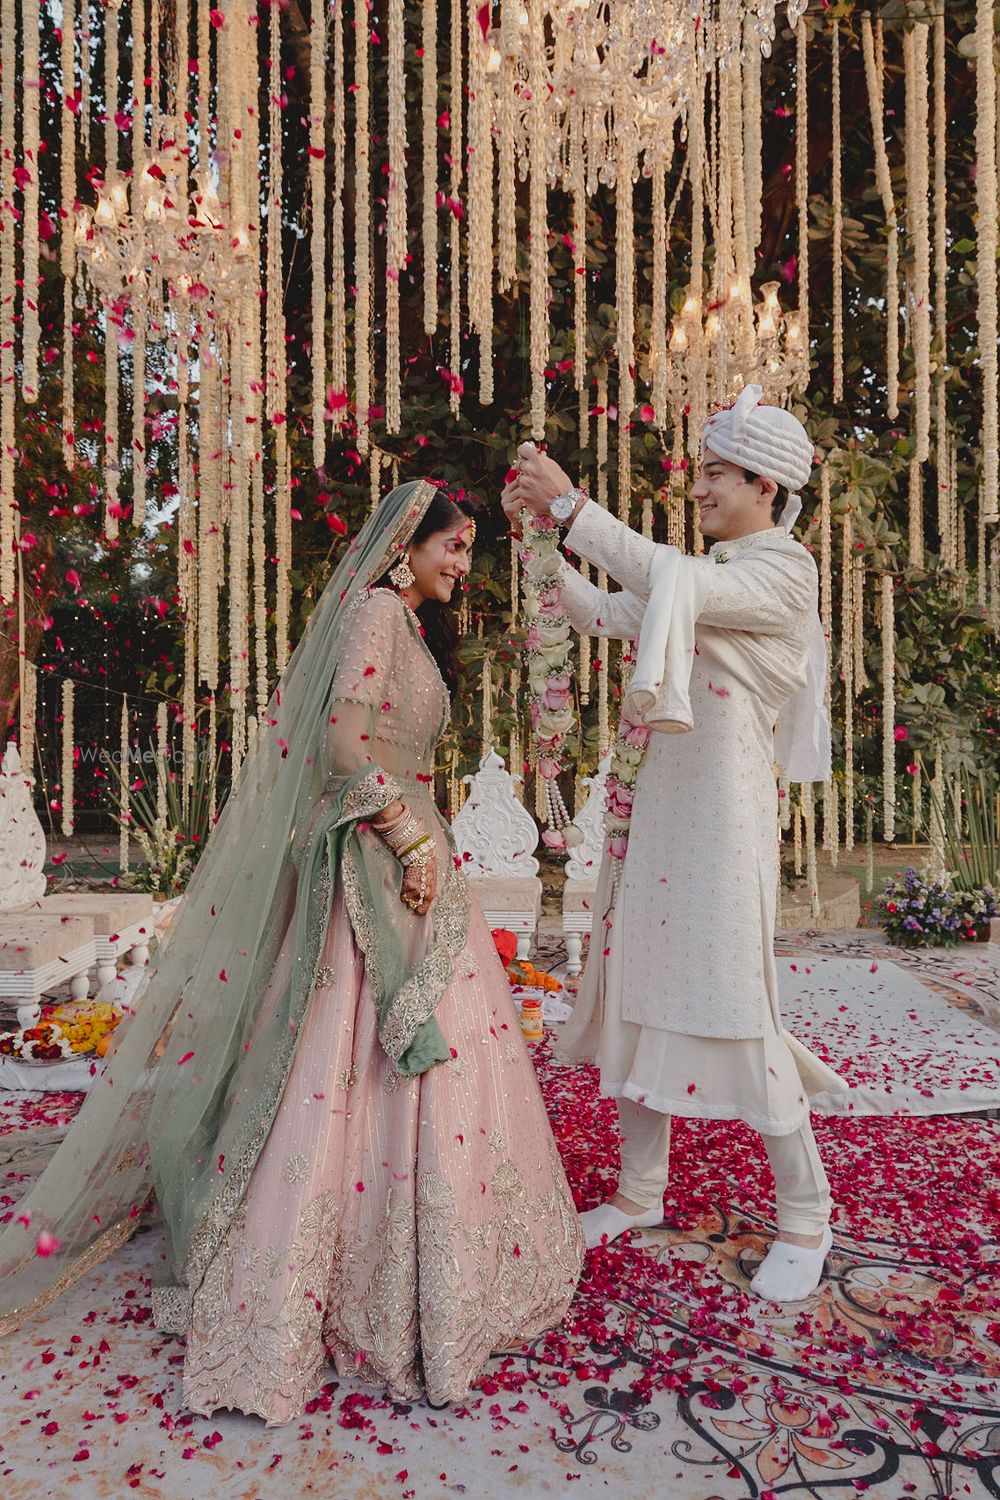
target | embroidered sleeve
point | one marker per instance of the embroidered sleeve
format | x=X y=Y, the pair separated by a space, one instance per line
x=593 y=611
x=764 y=590
x=361 y=695
x=367 y=651
x=609 y=544
x=369 y=795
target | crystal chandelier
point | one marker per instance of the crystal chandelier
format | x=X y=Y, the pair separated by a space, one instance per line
x=730 y=342
x=188 y=246
x=593 y=69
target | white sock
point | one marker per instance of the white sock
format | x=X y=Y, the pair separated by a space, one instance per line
x=608 y=1222
x=790 y=1273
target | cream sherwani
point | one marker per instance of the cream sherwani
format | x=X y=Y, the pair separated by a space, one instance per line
x=679 y=1005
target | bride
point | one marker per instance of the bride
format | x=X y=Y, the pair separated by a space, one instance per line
x=324 y=1080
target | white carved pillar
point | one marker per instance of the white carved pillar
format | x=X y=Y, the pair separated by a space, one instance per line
x=496 y=837
x=22 y=839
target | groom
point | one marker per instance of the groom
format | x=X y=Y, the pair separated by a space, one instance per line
x=678 y=1005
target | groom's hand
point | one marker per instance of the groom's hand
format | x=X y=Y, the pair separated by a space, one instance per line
x=540 y=479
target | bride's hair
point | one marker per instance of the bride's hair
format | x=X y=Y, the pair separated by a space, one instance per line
x=440 y=621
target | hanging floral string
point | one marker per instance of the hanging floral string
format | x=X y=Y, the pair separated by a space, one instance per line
x=8 y=291
x=275 y=327
x=32 y=85
x=112 y=314
x=506 y=216
x=918 y=228
x=428 y=121
x=888 y=710
x=986 y=248
x=538 y=230
x=162 y=766
x=915 y=507
x=125 y=771
x=454 y=216
x=809 y=819
x=317 y=198
x=838 y=223
x=802 y=167
x=338 y=263
x=625 y=277
x=67 y=196
x=66 y=787
x=395 y=250
x=480 y=249
x=847 y=672
x=883 y=180
x=362 y=227
x=753 y=151
x=29 y=710
x=830 y=828
x=940 y=227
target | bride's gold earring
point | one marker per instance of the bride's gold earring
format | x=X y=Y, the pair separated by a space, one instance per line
x=402 y=574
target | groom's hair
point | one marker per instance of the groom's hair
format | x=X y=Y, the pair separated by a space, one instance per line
x=780 y=497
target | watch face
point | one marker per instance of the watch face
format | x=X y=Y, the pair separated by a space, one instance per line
x=563 y=506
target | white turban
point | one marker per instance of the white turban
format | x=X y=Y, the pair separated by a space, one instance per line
x=766 y=440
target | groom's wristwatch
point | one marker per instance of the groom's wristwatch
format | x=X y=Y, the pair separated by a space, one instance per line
x=563 y=506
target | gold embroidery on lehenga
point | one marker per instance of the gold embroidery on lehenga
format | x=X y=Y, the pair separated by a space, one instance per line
x=172 y=1303
x=325 y=976
x=296 y=1168
x=380 y=1331
x=347 y=1078
x=248 y=1355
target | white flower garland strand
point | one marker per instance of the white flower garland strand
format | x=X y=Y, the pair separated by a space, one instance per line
x=428 y=132
x=67 y=246
x=838 y=224
x=66 y=778
x=317 y=200
x=884 y=183
x=32 y=86
x=8 y=290
x=802 y=169
x=548 y=655
x=338 y=268
x=986 y=249
x=362 y=227
x=888 y=710
x=538 y=249
x=125 y=788
x=395 y=249
x=454 y=228
x=847 y=670
x=479 y=259
x=918 y=227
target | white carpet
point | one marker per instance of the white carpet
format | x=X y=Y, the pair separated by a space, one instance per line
x=901 y=1045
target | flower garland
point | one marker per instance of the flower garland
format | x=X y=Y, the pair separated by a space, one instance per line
x=626 y=757
x=548 y=650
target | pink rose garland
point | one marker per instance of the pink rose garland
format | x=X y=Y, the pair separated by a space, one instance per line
x=548 y=649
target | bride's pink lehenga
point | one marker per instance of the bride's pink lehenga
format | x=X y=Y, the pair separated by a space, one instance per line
x=407 y=1228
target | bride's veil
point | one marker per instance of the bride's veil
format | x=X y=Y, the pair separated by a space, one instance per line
x=201 y=1061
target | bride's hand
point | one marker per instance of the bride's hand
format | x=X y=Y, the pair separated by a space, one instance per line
x=410 y=893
